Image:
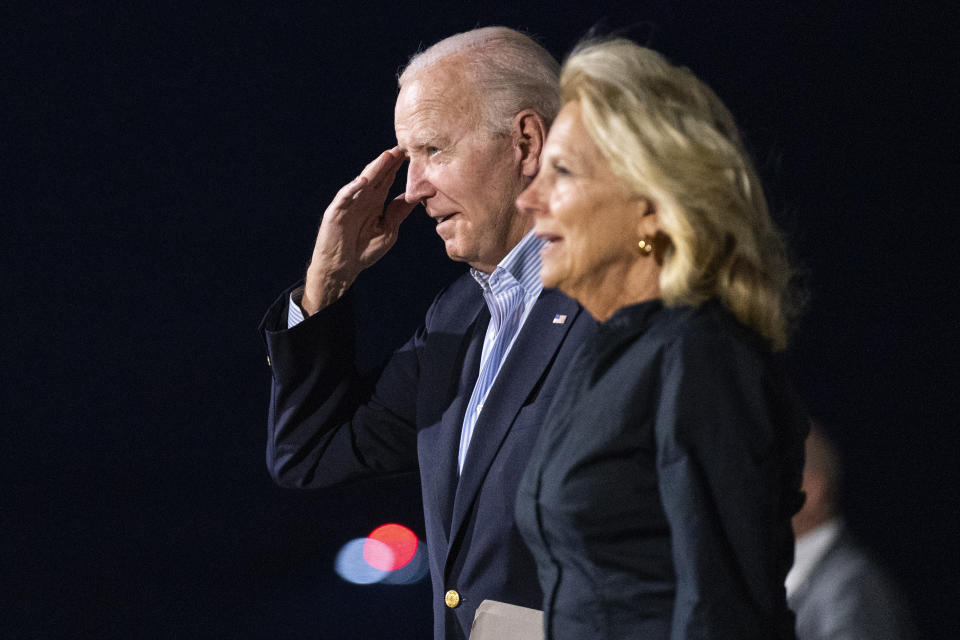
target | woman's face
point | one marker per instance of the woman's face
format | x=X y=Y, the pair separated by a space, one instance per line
x=583 y=210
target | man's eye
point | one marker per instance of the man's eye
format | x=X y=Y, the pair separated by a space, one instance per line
x=431 y=150
x=560 y=169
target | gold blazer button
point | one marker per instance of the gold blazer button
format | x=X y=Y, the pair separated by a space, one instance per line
x=452 y=599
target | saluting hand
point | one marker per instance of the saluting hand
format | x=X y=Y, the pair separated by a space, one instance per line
x=357 y=230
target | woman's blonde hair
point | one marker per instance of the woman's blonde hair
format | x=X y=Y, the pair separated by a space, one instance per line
x=672 y=139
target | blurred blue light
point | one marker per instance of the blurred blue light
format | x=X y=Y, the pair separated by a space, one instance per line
x=413 y=571
x=351 y=566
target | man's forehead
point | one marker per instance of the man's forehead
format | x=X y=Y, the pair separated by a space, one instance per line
x=449 y=69
x=439 y=84
x=430 y=102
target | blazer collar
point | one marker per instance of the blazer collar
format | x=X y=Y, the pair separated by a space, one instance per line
x=447 y=440
x=525 y=365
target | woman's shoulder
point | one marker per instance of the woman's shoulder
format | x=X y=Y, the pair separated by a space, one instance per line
x=708 y=328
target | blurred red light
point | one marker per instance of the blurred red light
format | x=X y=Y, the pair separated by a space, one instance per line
x=398 y=548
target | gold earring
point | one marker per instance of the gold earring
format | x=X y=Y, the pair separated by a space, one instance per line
x=646 y=245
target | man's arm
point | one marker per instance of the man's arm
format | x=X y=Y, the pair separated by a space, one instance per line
x=321 y=412
x=327 y=424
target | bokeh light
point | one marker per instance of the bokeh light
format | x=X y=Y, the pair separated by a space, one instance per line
x=397 y=546
x=414 y=571
x=351 y=566
x=391 y=554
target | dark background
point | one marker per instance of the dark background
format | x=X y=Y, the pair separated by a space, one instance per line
x=164 y=169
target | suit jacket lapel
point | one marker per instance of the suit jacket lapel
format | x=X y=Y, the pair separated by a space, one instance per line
x=439 y=471
x=526 y=363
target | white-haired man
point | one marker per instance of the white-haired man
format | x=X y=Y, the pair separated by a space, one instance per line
x=463 y=399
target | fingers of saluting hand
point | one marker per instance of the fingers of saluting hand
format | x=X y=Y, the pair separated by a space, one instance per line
x=376 y=176
x=383 y=169
x=386 y=229
x=397 y=211
x=349 y=192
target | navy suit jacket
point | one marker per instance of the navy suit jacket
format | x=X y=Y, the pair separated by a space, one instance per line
x=327 y=426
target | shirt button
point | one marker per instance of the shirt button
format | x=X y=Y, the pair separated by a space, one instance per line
x=452 y=599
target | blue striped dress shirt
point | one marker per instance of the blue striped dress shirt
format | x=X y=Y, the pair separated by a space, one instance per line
x=509 y=293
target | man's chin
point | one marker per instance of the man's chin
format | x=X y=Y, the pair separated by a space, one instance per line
x=453 y=253
x=457 y=252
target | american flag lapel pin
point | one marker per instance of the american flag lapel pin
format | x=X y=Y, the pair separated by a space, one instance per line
x=559 y=319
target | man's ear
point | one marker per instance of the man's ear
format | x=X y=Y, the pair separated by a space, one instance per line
x=529 y=134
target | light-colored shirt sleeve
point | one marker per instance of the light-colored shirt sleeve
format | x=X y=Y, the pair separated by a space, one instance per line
x=294 y=312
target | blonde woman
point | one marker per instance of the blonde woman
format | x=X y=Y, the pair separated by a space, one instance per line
x=658 y=499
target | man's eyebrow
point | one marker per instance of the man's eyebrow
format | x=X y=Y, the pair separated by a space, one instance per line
x=421 y=142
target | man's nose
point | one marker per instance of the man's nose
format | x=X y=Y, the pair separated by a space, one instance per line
x=418 y=186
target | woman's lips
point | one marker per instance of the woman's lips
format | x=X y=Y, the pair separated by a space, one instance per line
x=549 y=238
x=550 y=244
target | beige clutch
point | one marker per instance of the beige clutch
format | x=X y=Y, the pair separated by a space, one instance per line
x=501 y=621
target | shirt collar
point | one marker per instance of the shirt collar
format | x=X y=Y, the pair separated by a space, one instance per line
x=521 y=265
x=810 y=547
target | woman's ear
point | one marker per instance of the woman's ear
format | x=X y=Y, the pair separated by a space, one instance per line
x=529 y=135
x=650 y=231
x=648 y=224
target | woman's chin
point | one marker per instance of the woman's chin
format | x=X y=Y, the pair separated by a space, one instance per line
x=548 y=277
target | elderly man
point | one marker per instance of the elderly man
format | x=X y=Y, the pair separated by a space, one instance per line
x=463 y=399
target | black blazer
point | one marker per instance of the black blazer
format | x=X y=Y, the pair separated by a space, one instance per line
x=658 y=498
x=327 y=427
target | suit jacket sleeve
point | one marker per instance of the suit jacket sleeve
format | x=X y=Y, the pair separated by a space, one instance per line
x=849 y=597
x=327 y=424
x=729 y=475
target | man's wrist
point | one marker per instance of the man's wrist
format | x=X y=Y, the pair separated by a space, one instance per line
x=315 y=297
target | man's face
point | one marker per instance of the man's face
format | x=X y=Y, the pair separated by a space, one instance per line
x=466 y=177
